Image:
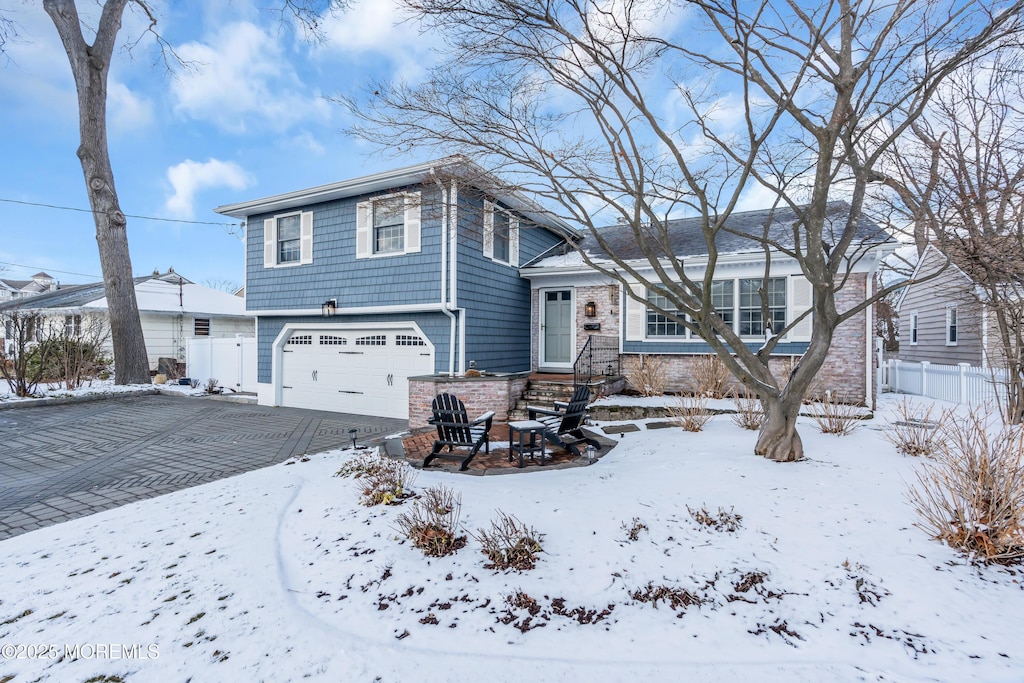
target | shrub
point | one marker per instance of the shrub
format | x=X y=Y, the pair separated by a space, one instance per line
x=690 y=412
x=211 y=385
x=633 y=529
x=749 y=411
x=382 y=481
x=711 y=376
x=834 y=415
x=972 y=496
x=433 y=522
x=721 y=521
x=914 y=432
x=646 y=374
x=510 y=544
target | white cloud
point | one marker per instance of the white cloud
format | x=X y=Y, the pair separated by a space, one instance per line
x=242 y=79
x=190 y=177
x=127 y=110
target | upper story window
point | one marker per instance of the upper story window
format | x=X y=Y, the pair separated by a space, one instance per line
x=288 y=239
x=501 y=235
x=913 y=327
x=752 y=323
x=388 y=225
x=659 y=325
x=951 y=325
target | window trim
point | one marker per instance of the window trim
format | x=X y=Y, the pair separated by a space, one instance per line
x=648 y=312
x=952 y=325
x=739 y=308
x=271 y=243
x=411 y=238
x=490 y=208
x=914 y=328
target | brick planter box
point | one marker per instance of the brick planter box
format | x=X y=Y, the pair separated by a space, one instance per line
x=480 y=394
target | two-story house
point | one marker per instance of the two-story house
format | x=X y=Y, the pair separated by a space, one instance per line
x=358 y=285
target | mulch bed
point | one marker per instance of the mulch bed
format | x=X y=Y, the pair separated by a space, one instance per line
x=418 y=446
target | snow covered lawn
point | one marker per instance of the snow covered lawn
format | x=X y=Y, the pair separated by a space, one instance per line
x=96 y=387
x=280 y=575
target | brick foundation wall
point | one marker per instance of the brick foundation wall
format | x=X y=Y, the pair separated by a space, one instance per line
x=480 y=394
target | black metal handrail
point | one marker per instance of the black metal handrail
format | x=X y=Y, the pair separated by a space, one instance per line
x=598 y=357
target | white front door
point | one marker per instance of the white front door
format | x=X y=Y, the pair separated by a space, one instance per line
x=558 y=329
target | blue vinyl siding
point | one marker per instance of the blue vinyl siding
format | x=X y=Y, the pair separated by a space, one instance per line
x=496 y=298
x=336 y=273
x=434 y=325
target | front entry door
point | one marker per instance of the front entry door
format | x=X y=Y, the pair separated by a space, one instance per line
x=557 y=328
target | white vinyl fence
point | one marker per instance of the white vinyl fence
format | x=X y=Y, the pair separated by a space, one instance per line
x=961 y=383
x=231 y=360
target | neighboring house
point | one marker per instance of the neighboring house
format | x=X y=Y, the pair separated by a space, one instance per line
x=944 y=319
x=361 y=284
x=171 y=309
x=572 y=301
x=16 y=289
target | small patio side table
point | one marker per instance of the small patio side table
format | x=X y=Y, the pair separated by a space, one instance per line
x=522 y=438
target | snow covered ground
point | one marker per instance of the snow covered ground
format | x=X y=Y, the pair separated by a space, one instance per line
x=94 y=387
x=280 y=575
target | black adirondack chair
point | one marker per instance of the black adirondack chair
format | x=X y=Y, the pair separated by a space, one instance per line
x=455 y=431
x=563 y=425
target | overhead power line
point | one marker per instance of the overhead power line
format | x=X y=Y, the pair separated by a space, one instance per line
x=128 y=215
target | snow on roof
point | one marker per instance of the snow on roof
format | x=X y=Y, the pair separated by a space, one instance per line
x=158 y=295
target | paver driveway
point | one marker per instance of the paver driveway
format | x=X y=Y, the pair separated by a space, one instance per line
x=66 y=461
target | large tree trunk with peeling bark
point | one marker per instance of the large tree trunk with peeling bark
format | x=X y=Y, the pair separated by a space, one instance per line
x=778 y=439
x=90 y=65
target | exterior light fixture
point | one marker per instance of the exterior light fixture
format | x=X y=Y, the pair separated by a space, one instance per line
x=329 y=308
x=590 y=309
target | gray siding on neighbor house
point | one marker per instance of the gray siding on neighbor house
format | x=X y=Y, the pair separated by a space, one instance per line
x=335 y=273
x=434 y=325
x=495 y=296
x=930 y=300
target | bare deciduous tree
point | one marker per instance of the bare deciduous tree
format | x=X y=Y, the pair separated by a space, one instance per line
x=631 y=112
x=973 y=131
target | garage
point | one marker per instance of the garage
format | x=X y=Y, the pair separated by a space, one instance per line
x=363 y=371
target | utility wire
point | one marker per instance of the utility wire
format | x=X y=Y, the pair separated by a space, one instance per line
x=128 y=215
x=63 y=272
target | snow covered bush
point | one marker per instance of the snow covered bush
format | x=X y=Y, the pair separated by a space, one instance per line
x=723 y=520
x=972 y=495
x=646 y=374
x=509 y=544
x=690 y=412
x=914 y=432
x=433 y=522
x=835 y=415
x=381 y=480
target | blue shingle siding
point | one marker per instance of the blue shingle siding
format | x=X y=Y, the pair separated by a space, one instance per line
x=699 y=347
x=336 y=273
x=434 y=325
x=496 y=298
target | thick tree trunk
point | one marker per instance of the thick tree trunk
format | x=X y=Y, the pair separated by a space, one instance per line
x=778 y=439
x=90 y=66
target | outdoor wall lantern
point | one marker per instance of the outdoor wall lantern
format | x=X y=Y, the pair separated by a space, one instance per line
x=590 y=309
x=329 y=308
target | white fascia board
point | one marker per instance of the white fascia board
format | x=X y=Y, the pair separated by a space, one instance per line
x=361 y=310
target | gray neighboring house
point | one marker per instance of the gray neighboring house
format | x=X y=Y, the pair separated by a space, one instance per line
x=944 y=320
x=171 y=309
x=11 y=290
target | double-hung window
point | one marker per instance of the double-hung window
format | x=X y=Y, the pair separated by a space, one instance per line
x=722 y=300
x=501 y=235
x=951 y=325
x=72 y=326
x=752 y=323
x=389 y=226
x=913 y=327
x=289 y=239
x=659 y=325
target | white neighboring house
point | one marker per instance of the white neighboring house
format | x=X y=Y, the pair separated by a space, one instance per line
x=171 y=308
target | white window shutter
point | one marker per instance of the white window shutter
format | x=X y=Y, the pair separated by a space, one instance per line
x=412 y=223
x=636 y=314
x=364 y=211
x=306 y=243
x=513 y=242
x=801 y=298
x=269 y=242
x=488 y=235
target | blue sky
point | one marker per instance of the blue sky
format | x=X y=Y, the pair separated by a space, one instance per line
x=251 y=120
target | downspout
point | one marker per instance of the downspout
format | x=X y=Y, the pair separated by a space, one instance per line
x=445 y=305
x=453 y=275
x=869 y=328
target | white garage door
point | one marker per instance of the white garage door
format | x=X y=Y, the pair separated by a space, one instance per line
x=363 y=371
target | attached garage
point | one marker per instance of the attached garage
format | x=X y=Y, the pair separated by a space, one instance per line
x=352 y=369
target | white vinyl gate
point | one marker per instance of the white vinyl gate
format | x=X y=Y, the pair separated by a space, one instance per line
x=232 y=361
